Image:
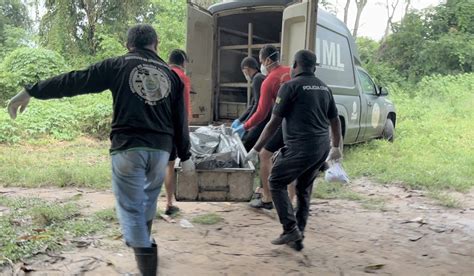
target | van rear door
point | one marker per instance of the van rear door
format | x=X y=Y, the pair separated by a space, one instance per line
x=297 y=23
x=199 y=47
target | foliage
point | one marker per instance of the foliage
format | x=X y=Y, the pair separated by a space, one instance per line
x=170 y=13
x=27 y=66
x=72 y=27
x=34 y=226
x=14 y=22
x=434 y=148
x=435 y=41
x=382 y=72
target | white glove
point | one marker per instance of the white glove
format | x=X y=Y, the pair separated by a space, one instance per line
x=252 y=156
x=335 y=154
x=21 y=100
x=188 y=166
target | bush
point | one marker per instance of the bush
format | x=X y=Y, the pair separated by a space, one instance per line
x=26 y=66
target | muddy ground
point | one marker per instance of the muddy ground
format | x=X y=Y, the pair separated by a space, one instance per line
x=406 y=235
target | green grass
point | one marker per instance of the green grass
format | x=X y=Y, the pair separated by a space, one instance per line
x=325 y=190
x=207 y=219
x=434 y=148
x=445 y=199
x=80 y=163
x=33 y=226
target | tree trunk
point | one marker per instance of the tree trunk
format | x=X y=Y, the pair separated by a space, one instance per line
x=390 y=14
x=407 y=6
x=346 y=11
x=360 y=7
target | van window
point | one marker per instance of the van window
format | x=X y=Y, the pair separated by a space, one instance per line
x=334 y=58
x=368 y=86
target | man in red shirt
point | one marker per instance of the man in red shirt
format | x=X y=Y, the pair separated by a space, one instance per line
x=177 y=61
x=277 y=75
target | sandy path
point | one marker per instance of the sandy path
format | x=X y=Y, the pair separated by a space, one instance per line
x=343 y=238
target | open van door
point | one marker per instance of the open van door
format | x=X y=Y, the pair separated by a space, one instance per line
x=298 y=29
x=199 y=47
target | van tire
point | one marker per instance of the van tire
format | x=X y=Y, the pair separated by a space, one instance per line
x=389 y=131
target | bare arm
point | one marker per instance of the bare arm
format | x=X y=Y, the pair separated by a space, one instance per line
x=336 y=132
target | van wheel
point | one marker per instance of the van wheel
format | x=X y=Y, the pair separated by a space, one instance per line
x=389 y=131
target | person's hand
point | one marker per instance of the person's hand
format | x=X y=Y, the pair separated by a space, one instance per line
x=335 y=154
x=240 y=130
x=235 y=124
x=252 y=156
x=188 y=166
x=21 y=101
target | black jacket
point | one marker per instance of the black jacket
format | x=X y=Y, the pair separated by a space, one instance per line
x=148 y=100
x=257 y=81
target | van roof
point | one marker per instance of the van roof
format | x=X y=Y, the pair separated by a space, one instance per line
x=246 y=3
x=325 y=18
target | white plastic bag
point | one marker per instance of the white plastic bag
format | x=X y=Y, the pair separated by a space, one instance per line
x=336 y=173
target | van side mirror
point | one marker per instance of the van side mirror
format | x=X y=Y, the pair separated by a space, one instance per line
x=383 y=91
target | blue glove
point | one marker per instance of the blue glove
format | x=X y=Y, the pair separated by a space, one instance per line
x=235 y=124
x=240 y=130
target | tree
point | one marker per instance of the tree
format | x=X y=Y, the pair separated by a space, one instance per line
x=390 y=14
x=14 y=25
x=439 y=40
x=346 y=11
x=360 y=7
x=72 y=26
x=407 y=6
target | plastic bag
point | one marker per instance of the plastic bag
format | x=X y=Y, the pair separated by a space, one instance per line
x=336 y=173
x=214 y=147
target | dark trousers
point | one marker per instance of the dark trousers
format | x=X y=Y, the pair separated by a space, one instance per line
x=251 y=137
x=300 y=165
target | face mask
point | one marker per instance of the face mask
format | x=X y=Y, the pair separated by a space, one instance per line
x=248 y=78
x=264 y=69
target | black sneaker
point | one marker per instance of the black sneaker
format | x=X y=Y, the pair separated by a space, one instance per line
x=171 y=210
x=259 y=204
x=287 y=237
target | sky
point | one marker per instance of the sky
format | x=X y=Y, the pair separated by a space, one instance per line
x=374 y=16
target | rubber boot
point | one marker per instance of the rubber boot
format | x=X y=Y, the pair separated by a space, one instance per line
x=147 y=260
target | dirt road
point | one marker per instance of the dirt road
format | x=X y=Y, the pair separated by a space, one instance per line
x=407 y=235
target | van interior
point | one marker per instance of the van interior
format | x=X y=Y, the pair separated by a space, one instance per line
x=239 y=35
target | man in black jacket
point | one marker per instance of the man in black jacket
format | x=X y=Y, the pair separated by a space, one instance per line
x=250 y=69
x=149 y=118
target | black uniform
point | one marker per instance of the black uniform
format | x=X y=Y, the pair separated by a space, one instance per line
x=307 y=106
x=148 y=101
x=251 y=136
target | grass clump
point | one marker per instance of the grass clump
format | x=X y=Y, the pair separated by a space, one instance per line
x=33 y=226
x=207 y=219
x=325 y=190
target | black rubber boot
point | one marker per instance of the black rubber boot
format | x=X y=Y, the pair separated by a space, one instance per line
x=147 y=260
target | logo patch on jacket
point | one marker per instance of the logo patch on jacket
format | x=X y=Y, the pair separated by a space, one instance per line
x=150 y=83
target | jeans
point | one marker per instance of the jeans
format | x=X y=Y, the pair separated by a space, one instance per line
x=137 y=177
x=302 y=166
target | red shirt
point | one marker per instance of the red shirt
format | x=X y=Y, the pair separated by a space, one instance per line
x=268 y=94
x=187 y=89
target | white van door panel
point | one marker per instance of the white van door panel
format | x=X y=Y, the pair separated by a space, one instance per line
x=294 y=29
x=200 y=69
x=372 y=124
